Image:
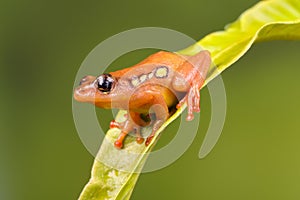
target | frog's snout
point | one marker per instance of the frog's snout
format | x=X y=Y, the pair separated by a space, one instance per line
x=86 y=79
x=82 y=81
x=86 y=89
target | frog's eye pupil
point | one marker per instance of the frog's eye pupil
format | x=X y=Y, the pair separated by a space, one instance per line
x=105 y=83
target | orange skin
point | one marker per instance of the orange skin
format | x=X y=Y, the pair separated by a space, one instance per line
x=159 y=82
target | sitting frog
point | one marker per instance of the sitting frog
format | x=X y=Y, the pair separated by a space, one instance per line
x=161 y=81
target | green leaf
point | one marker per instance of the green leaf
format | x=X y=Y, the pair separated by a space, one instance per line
x=267 y=20
x=115 y=172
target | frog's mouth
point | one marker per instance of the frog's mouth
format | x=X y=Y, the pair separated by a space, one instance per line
x=84 y=94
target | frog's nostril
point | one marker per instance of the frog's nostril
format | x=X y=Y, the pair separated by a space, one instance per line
x=83 y=80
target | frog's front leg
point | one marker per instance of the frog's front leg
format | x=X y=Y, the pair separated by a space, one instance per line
x=133 y=123
x=189 y=78
x=161 y=111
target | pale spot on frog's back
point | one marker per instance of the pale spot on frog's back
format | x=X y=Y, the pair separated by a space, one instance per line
x=150 y=75
x=161 y=72
x=135 y=81
x=143 y=78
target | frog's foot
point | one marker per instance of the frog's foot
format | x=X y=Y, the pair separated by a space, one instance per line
x=126 y=127
x=114 y=124
x=192 y=99
x=136 y=128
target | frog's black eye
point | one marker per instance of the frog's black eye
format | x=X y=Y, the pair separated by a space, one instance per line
x=105 y=83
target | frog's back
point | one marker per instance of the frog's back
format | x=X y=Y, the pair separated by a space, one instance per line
x=161 y=58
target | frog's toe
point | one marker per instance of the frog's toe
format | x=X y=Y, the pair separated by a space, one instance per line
x=181 y=102
x=149 y=139
x=190 y=117
x=139 y=140
x=118 y=144
x=114 y=124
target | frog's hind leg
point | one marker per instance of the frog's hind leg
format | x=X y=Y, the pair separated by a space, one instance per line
x=191 y=77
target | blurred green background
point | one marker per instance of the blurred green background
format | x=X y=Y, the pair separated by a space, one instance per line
x=42 y=46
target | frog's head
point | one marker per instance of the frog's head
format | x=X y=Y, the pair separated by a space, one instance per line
x=100 y=90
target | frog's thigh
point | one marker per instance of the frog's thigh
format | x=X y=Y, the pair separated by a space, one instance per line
x=192 y=71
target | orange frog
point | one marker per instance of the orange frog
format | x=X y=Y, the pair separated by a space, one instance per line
x=158 y=83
